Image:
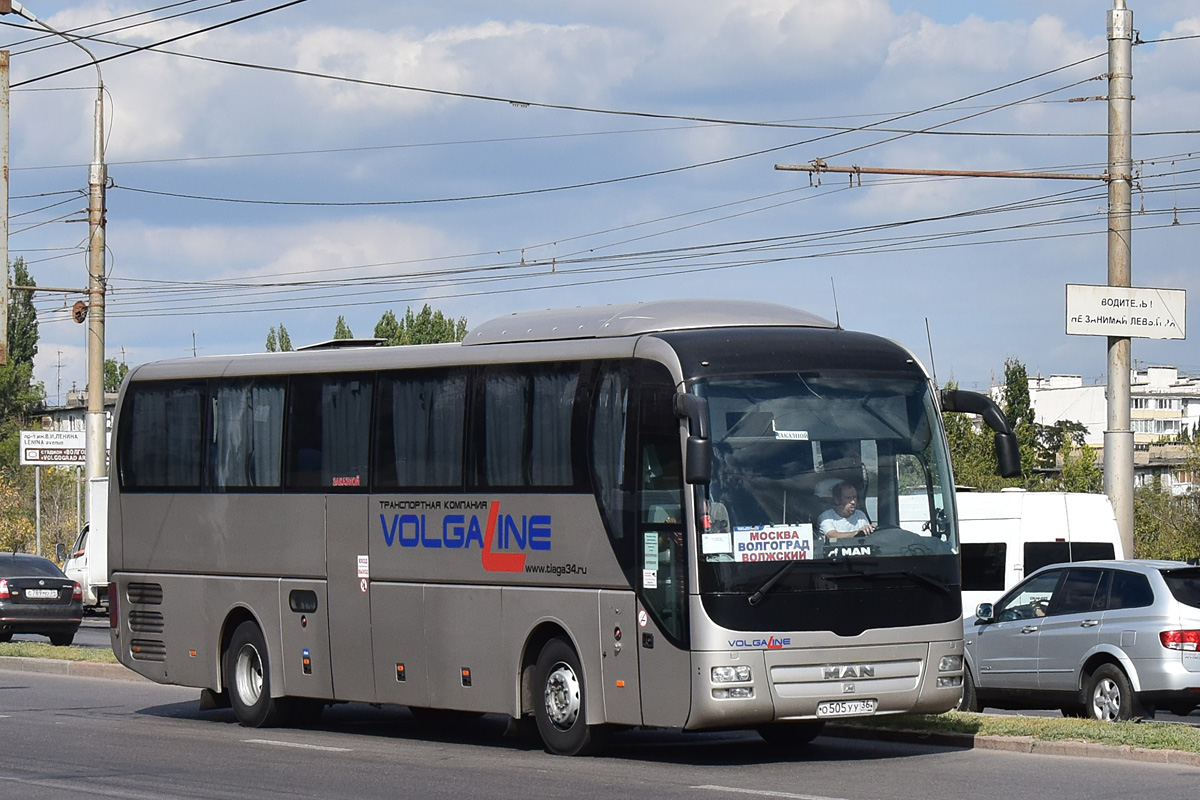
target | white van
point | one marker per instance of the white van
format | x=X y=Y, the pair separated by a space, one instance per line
x=1009 y=534
x=87 y=563
x=1006 y=535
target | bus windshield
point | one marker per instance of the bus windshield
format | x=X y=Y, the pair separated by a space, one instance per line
x=789 y=452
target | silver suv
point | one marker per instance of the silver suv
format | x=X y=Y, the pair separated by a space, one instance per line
x=1103 y=639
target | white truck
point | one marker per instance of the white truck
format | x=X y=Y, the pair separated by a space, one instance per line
x=87 y=563
x=1008 y=534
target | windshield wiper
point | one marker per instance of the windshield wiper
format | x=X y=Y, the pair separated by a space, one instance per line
x=757 y=597
x=917 y=576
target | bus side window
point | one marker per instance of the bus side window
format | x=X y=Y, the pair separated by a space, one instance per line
x=419 y=432
x=161 y=436
x=328 y=433
x=246 y=448
x=610 y=434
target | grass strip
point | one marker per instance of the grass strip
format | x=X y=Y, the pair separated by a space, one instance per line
x=1146 y=735
x=40 y=650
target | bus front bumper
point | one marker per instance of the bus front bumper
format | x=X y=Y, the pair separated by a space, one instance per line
x=754 y=687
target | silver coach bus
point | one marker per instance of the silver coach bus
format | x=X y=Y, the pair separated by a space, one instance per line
x=593 y=518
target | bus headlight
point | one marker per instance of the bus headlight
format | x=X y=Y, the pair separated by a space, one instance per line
x=733 y=693
x=950 y=664
x=738 y=674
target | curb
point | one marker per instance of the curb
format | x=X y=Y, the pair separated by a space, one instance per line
x=78 y=669
x=1020 y=744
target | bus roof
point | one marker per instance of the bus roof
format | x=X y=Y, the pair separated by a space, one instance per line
x=635 y=319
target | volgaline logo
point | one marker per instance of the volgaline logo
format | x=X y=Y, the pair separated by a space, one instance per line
x=771 y=643
x=460 y=532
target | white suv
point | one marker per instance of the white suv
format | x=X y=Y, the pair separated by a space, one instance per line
x=1103 y=639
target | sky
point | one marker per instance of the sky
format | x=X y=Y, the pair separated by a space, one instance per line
x=312 y=159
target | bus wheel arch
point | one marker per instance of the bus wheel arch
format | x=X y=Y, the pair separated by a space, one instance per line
x=560 y=701
x=233 y=619
x=537 y=639
x=247 y=676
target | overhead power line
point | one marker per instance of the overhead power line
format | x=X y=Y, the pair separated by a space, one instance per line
x=140 y=48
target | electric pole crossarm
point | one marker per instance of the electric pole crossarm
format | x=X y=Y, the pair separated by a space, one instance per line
x=820 y=166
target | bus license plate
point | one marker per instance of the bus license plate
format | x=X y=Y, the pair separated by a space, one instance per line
x=846 y=708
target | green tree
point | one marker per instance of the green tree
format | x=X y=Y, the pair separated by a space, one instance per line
x=20 y=398
x=426 y=327
x=1053 y=439
x=1018 y=409
x=278 y=340
x=17 y=531
x=114 y=373
x=1080 y=471
x=19 y=394
x=341 y=330
x=1165 y=525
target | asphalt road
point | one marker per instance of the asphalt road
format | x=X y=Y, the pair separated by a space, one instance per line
x=80 y=737
x=94 y=634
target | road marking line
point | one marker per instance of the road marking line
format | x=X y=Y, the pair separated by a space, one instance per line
x=765 y=793
x=299 y=745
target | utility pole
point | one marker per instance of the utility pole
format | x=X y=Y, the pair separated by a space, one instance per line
x=96 y=427
x=1118 y=438
x=4 y=7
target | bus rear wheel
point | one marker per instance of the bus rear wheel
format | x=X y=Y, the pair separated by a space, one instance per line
x=248 y=679
x=560 y=702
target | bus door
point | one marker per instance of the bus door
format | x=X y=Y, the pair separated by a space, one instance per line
x=661 y=568
x=349 y=586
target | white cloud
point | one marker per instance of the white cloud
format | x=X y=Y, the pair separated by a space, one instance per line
x=357 y=247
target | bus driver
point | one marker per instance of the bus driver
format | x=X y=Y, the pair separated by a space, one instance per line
x=844 y=520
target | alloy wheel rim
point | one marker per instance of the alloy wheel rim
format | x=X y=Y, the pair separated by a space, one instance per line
x=562 y=696
x=1107 y=700
x=248 y=675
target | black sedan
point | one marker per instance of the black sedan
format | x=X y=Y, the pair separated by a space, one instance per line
x=36 y=597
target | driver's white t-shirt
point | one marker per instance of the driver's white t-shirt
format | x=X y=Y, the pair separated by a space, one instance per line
x=833 y=521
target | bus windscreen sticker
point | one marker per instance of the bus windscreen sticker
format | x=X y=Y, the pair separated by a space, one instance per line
x=715 y=543
x=773 y=543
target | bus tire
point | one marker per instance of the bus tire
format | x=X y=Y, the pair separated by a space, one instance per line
x=248 y=679
x=560 y=703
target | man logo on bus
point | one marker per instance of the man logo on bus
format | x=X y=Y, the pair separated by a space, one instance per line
x=459 y=532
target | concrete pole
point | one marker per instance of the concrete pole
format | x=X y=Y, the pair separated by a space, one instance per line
x=1118 y=438
x=4 y=205
x=95 y=421
x=37 y=509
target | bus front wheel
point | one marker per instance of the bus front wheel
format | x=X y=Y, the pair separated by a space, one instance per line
x=560 y=699
x=248 y=679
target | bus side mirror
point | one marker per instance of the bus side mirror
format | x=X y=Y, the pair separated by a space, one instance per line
x=1008 y=452
x=60 y=551
x=697 y=464
x=1008 y=455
